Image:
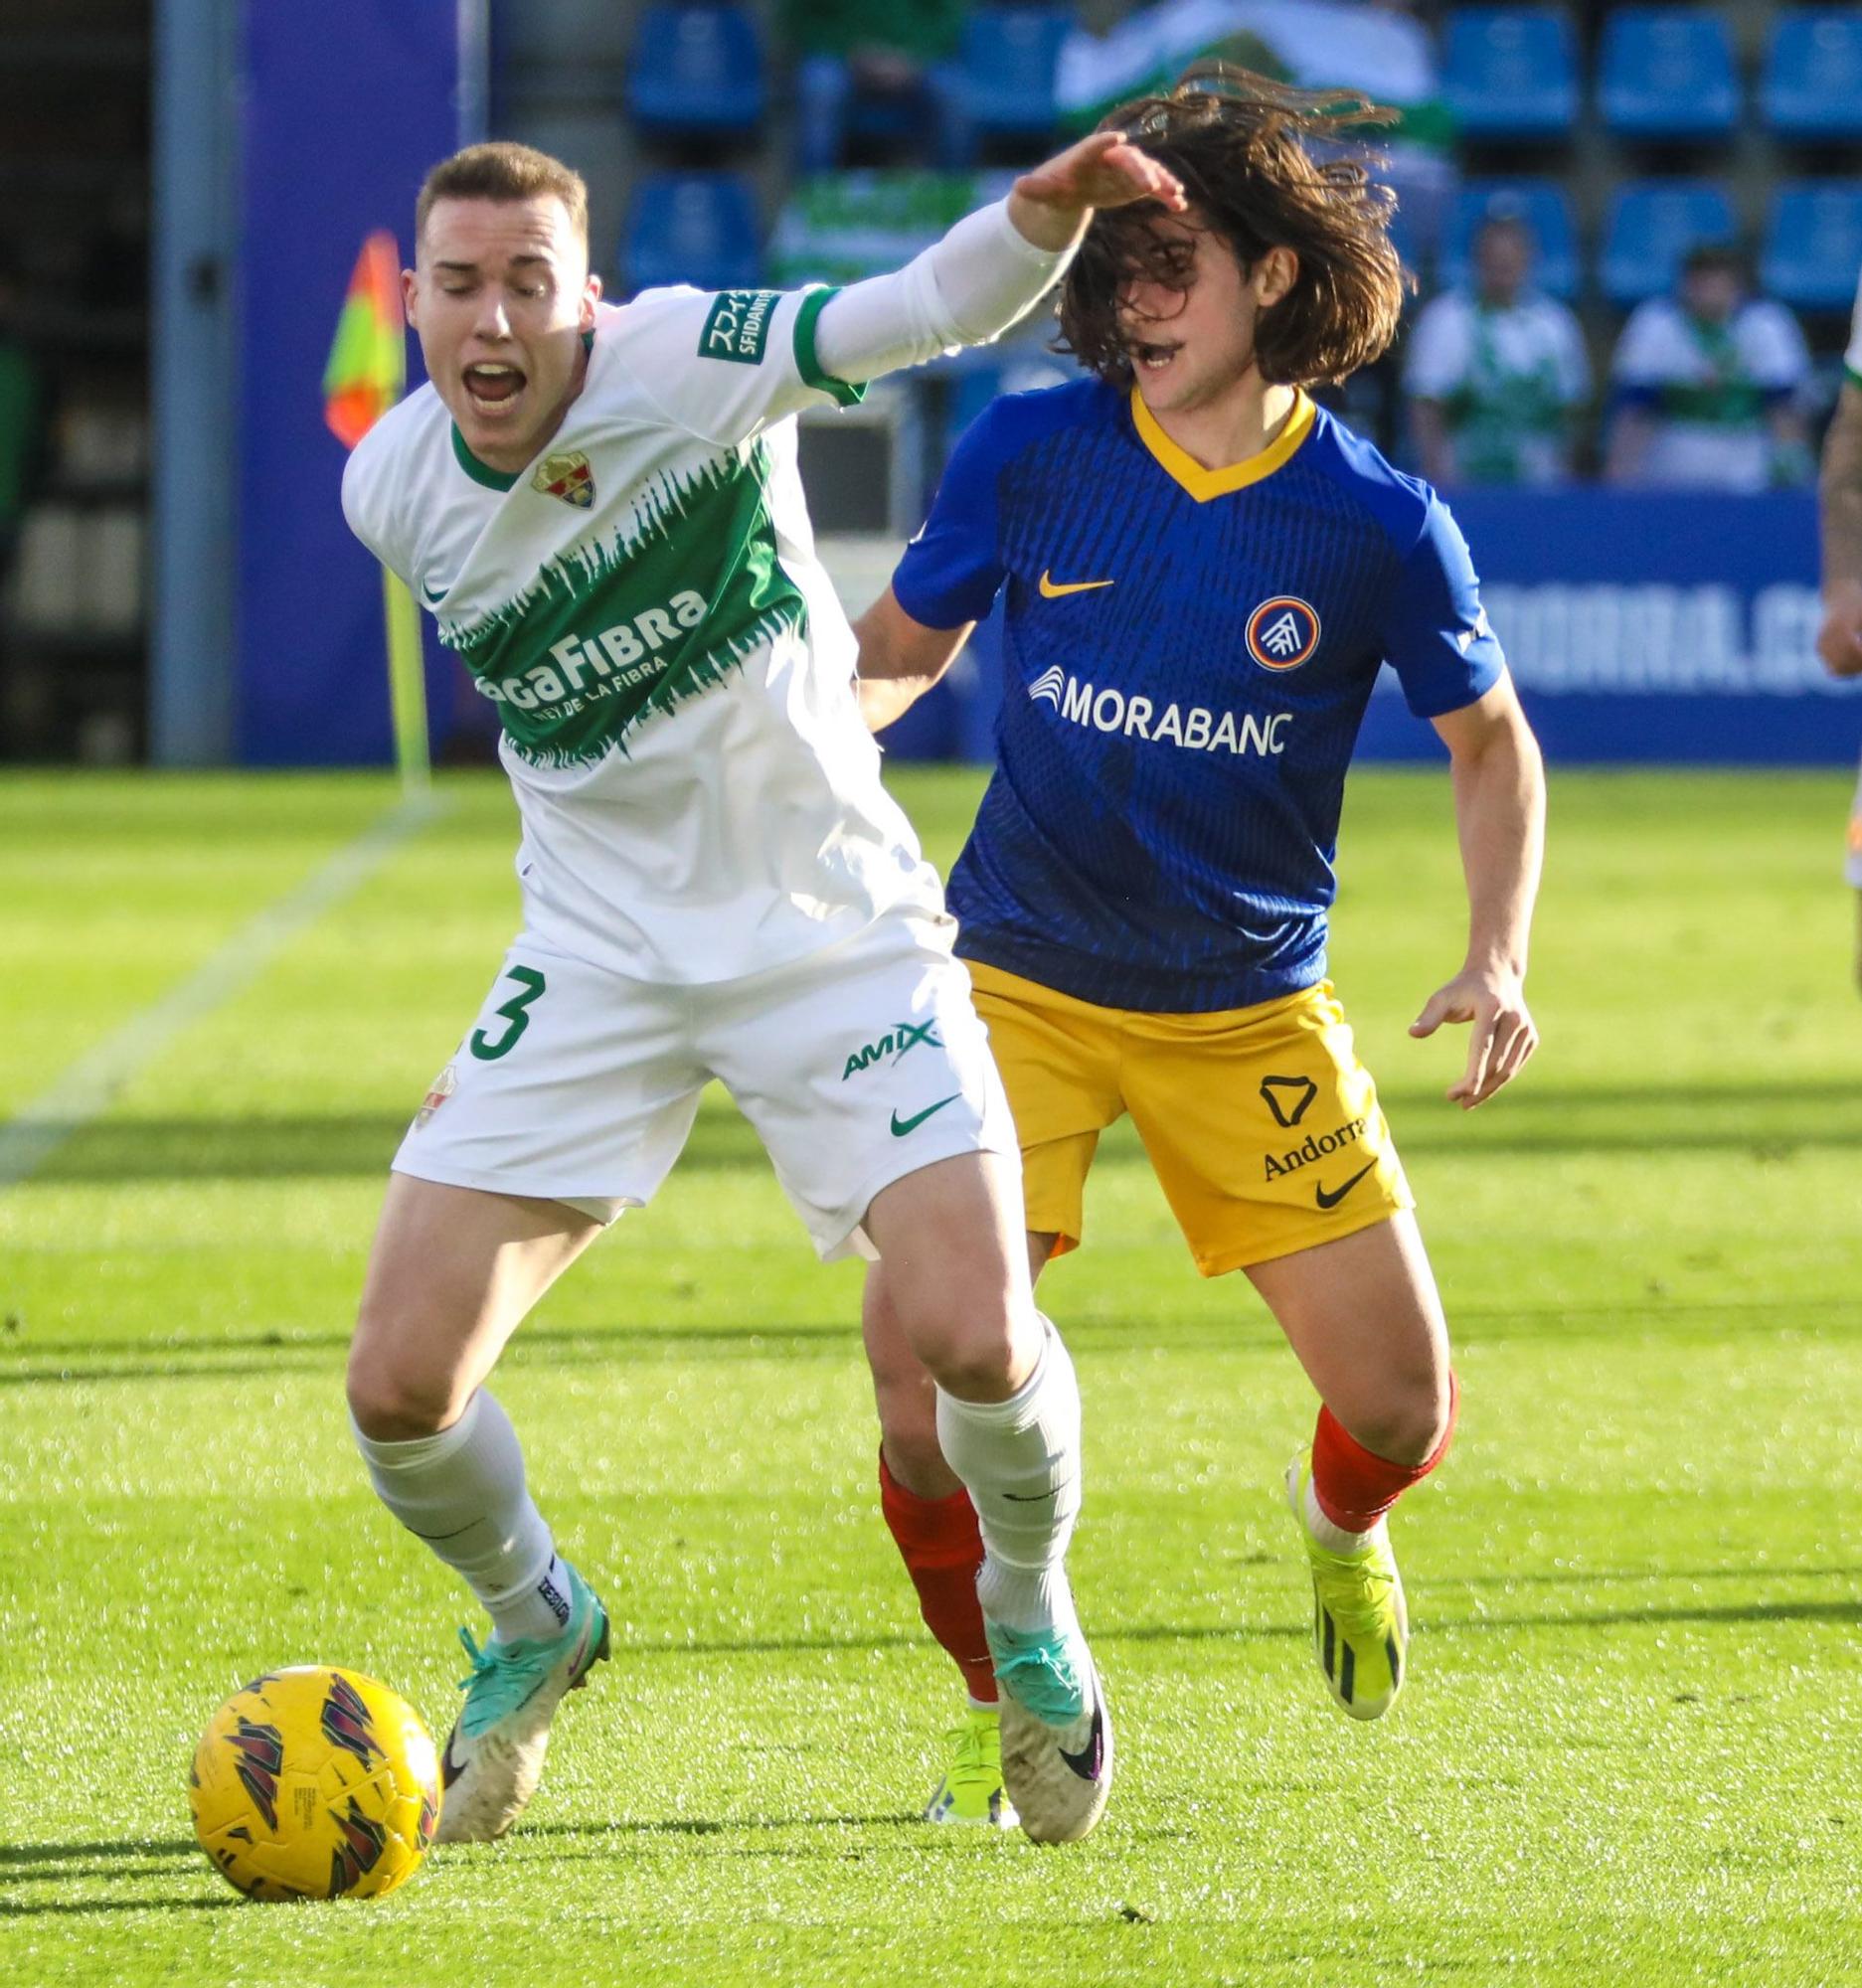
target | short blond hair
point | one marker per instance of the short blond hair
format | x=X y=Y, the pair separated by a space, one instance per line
x=507 y=172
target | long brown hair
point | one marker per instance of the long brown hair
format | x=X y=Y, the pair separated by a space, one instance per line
x=1263 y=166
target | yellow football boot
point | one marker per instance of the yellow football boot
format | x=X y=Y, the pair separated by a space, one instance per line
x=972 y=1791
x=1360 y=1625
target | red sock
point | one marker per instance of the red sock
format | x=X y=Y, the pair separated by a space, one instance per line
x=942 y=1550
x=1354 y=1488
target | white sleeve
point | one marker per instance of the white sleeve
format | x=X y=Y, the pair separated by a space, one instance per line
x=1437 y=355
x=1574 y=362
x=1647 y=354
x=367 y=502
x=1775 y=348
x=965 y=289
x=1852 y=359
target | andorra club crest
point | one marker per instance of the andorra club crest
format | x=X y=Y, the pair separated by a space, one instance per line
x=567 y=476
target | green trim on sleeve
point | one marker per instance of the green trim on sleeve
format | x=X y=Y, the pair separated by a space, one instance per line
x=807 y=365
x=492 y=479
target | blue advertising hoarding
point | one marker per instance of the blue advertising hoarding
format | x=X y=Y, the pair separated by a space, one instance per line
x=1640 y=627
x=346 y=105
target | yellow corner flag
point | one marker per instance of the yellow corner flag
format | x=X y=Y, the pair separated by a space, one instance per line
x=365 y=375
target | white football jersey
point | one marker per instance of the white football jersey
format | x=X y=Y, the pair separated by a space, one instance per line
x=700 y=798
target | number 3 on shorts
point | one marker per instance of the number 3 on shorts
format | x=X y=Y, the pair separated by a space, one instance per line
x=516 y=1010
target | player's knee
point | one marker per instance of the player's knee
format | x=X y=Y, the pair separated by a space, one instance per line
x=395 y=1400
x=976 y=1356
x=1408 y=1422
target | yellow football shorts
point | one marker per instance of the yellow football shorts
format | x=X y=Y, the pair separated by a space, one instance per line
x=1260 y=1122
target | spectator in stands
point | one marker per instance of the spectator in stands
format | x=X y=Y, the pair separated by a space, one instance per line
x=1496 y=373
x=852 y=58
x=1708 y=386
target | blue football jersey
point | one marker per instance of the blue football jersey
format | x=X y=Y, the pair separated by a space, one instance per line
x=1188 y=655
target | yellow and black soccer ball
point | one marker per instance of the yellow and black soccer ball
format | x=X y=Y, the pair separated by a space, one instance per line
x=315 y=1784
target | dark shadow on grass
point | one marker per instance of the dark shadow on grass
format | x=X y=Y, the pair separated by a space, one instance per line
x=78 y=1908
x=1769 y=1121
x=719 y=1826
x=1247 y=1329
x=12 y=1854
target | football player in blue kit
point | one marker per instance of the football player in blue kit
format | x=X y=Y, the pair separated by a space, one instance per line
x=1202 y=573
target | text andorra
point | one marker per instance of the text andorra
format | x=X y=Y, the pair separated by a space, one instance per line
x=1195 y=729
x=589 y=666
x=1314 y=1146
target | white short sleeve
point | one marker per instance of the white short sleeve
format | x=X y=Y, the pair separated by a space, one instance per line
x=1773 y=346
x=1852 y=359
x=1650 y=354
x=1572 y=360
x=369 y=501
x=1440 y=350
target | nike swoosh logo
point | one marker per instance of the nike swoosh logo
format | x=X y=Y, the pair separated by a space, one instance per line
x=449 y=1768
x=433 y=595
x=1332 y=1200
x=1090 y=1760
x=901 y=1126
x=1052 y=589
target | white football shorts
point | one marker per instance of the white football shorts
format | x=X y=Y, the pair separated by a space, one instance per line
x=856 y=1066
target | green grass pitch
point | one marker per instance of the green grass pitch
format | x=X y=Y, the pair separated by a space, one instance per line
x=1631 y=1744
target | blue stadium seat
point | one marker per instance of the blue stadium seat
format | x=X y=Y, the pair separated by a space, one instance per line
x=1812 y=87
x=1652 y=225
x=1001 y=83
x=695 y=69
x=1813 y=244
x=691 y=228
x=1667 y=73
x=1543 y=205
x=1510 y=72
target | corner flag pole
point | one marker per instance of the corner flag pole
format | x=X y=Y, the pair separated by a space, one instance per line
x=365 y=375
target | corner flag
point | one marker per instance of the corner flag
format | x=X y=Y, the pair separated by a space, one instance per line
x=365 y=375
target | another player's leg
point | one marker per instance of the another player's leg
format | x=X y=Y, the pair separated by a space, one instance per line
x=452 y=1273
x=1362 y=1315
x=1007 y=1411
x=933 y=1524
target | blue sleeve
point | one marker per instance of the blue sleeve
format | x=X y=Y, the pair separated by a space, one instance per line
x=951 y=569
x=1436 y=635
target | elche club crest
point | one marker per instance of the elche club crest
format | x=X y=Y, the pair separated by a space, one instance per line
x=1282 y=632
x=567 y=475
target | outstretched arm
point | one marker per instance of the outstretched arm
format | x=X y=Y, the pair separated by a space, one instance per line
x=994 y=267
x=900 y=659
x=1499 y=813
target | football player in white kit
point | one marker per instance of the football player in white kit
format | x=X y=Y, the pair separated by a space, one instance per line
x=1839 y=642
x=602 y=508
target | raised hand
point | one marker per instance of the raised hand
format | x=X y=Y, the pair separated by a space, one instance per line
x=1050 y=205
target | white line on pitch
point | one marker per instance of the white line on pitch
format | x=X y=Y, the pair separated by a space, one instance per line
x=88 y=1088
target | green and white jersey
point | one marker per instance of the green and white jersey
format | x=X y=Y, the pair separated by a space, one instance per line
x=643 y=605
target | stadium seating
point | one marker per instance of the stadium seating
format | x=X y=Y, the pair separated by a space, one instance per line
x=1652 y=225
x=1813 y=244
x=1543 y=205
x=697 y=71
x=1001 y=83
x=1813 y=84
x=691 y=228
x=1510 y=72
x=1667 y=73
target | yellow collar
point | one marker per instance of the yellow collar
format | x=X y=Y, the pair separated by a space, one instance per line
x=1203 y=484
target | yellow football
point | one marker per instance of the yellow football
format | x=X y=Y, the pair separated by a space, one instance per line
x=315 y=1784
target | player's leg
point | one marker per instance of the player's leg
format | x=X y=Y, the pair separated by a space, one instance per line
x=1272 y=1149
x=566 y=1103
x=933 y=1526
x=1362 y=1315
x=453 y=1274
x=1008 y=1426
x=869 y=1077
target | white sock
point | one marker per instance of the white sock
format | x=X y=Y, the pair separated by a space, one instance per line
x=1333 y=1538
x=463 y=1491
x=1019 y=1460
